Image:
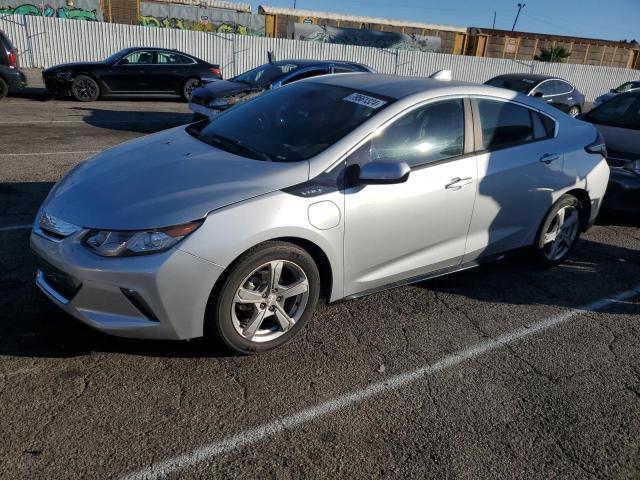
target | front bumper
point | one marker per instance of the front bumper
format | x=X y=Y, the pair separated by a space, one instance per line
x=623 y=191
x=57 y=84
x=158 y=296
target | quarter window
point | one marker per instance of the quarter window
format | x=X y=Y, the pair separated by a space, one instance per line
x=428 y=134
x=506 y=124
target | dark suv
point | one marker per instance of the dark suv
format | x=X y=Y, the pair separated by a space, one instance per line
x=11 y=78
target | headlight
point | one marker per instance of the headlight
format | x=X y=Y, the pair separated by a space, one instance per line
x=110 y=243
x=633 y=166
x=222 y=102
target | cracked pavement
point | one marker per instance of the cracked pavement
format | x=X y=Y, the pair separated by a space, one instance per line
x=74 y=403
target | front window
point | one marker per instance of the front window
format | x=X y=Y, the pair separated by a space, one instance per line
x=290 y=124
x=265 y=74
x=622 y=111
x=427 y=134
x=140 y=57
x=522 y=85
x=627 y=87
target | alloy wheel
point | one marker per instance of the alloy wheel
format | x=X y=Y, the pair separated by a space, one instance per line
x=562 y=233
x=270 y=300
x=85 y=89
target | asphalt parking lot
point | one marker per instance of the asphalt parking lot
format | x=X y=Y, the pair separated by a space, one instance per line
x=503 y=371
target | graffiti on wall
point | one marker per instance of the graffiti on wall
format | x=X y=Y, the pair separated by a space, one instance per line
x=365 y=38
x=83 y=10
x=202 y=19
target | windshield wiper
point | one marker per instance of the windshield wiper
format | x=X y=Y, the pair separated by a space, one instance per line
x=237 y=145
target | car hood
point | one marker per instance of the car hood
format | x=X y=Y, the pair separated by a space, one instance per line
x=222 y=88
x=161 y=180
x=606 y=96
x=73 y=66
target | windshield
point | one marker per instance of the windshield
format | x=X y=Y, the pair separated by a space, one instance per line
x=625 y=87
x=290 y=124
x=622 y=111
x=522 y=85
x=265 y=74
x=116 y=56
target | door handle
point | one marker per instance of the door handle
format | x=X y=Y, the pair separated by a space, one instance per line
x=549 y=157
x=457 y=183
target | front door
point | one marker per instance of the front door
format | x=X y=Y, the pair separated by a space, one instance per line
x=132 y=74
x=397 y=232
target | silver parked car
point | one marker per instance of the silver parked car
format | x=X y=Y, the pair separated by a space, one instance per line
x=331 y=187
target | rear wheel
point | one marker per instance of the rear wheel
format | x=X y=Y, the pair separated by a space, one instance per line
x=559 y=232
x=4 y=88
x=85 y=89
x=266 y=299
x=574 y=111
x=189 y=86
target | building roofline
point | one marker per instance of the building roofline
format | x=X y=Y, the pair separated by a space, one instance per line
x=268 y=10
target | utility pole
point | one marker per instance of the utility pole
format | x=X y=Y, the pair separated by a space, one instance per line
x=294 y=3
x=494 y=20
x=520 y=7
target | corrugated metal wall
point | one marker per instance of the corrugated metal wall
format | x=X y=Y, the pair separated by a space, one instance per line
x=42 y=42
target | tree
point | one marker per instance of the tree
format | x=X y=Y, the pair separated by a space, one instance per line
x=553 y=54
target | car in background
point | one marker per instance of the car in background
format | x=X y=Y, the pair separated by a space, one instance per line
x=132 y=72
x=11 y=77
x=217 y=96
x=625 y=87
x=554 y=91
x=618 y=120
x=335 y=186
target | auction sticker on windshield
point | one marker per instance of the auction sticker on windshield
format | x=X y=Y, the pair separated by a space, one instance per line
x=365 y=100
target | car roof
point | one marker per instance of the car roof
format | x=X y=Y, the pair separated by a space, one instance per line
x=536 y=77
x=310 y=63
x=395 y=86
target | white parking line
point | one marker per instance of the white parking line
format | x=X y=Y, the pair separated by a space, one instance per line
x=78 y=152
x=289 y=422
x=15 y=227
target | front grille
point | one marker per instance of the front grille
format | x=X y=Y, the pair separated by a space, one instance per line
x=62 y=283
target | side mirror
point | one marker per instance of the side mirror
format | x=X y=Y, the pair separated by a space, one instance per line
x=538 y=94
x=124 y=61
x=383 y=173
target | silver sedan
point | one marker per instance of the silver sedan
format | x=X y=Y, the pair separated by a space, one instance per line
x=329 y=188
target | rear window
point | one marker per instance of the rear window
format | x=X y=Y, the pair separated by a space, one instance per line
x=522 y=85
x=7 y=43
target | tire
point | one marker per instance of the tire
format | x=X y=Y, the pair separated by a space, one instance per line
x=4 y=88
x=85 y=89
x=249 y=314
x=189 y=86
x=559 y=232
x=574 y=111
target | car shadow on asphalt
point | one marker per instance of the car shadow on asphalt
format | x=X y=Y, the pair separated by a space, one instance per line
x=133 y=120
x=31 y=326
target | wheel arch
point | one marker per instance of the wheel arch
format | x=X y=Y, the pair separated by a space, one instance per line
x=316 y=252
x=585 y=201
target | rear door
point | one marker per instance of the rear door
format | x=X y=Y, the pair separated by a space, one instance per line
x=170 y=71
x=520 y=167
x=400 y=231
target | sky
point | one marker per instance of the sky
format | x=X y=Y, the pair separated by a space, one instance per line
x=608 y=19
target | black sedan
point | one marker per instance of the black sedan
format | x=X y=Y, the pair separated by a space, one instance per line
x=217 y=96
x=618 y=120
x=554 y=91
x=132 y=72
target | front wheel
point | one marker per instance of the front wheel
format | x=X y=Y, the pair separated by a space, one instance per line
x=85 y=89
x=574 y=111
x=268 y=296
x=559 y=232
